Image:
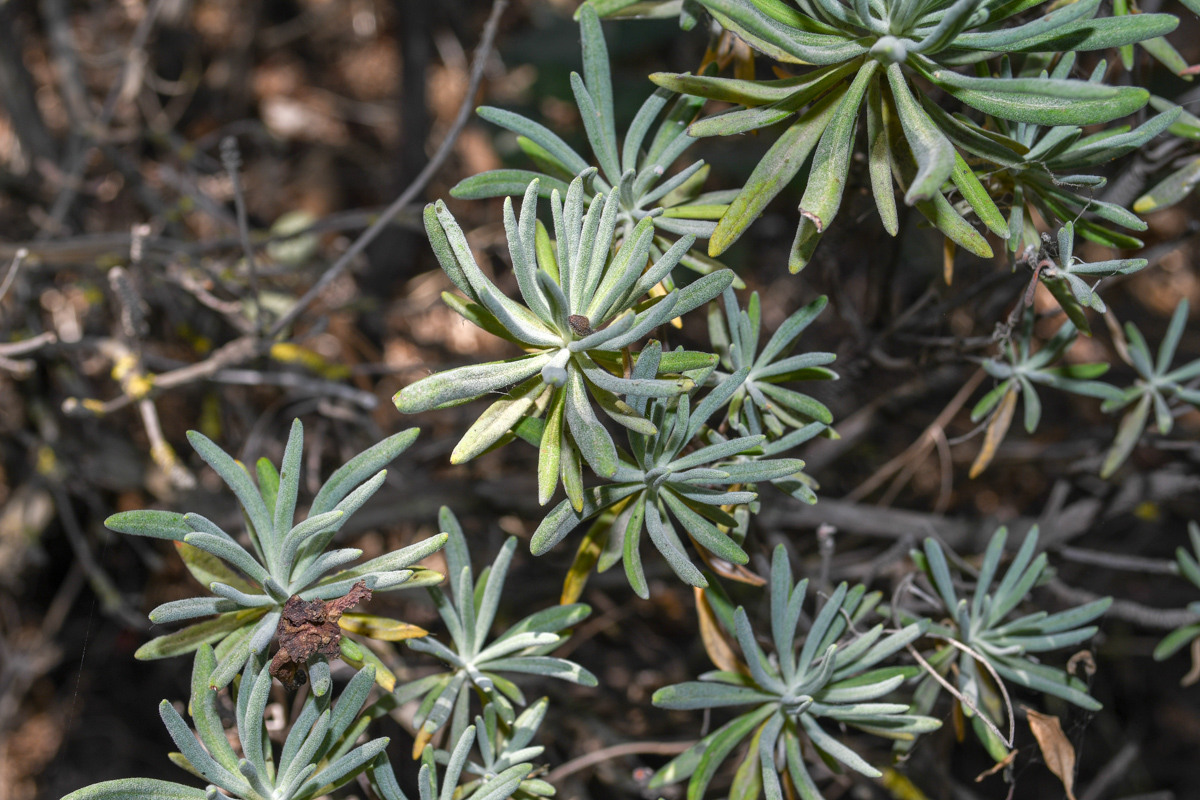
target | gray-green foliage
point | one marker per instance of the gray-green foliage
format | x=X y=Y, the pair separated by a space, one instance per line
x=1020 y=371
x=835 y=677
x=493 y=786
x=1188 y=565
x=475 y=662
x=1067 y=276
x=584 y=307
x=286 y=558
x=503 y=747
x=319 y=755
x=1156 y=384
x=865 y=55
x=656 y=481
x=760 y=405
x=1185 y=177
x=993 y=647
x=636 y=165
x=1046 y=169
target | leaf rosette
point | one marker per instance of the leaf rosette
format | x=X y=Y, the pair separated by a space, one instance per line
x=656 y=480
x=475 y=663
x=994 y=647
x=1155 y=386
x=1041 y=169
x=1188 y=565
x=251 y=586
x=636 y=166
x=1019 y=371
x=320 y=754
x=867 y=54
x=834 y=677
x=584 y=308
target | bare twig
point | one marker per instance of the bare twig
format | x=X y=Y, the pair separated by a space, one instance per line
x=236 y=352
x=110 y=597
x=77 y=160
x=1155 y=618
x=464 y=112
x=231 y=157
x=18 y=257
x=290 y=380
x=616 y=751
x=32 y=344
x=1121 y=561
x=918 y=451
x=1113 y=771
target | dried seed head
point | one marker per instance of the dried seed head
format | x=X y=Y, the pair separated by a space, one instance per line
x=580 y=325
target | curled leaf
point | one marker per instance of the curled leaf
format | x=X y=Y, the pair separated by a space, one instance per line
x=1056 y=748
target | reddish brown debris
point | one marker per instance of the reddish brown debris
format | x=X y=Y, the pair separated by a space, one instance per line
x=308 y=628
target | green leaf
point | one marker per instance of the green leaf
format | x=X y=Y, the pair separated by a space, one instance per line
x=879 y=161
x=191 y=637
x=1128 y=434
x=1174 y=641
x=466 y=383
x=685 y=696
x=1041 y=26
x=934 y=154
x=550 y=449
x=538 y=133
x=207 y=568
x=497 y=420
x=505 y=182
x=1043 y=101
x=136 y=789
x=155 y=524
x=975 y=194
x=235 y=477
x=831 y=164
x=1094 y=34
x=774 y=171
x=1175 y=187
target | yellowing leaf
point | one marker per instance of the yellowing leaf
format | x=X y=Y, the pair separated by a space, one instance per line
x=383 y=628
x=1056 y=748
x=996 y=431
x=585 y=560
x=899 y=786
x=423 y=737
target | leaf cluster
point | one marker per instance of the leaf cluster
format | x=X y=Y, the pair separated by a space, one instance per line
x=834 y=677
x=474 y=662
x=866 y=55
x=984 y=647
x=284 y=559
x=583 y=310
x=635 y=166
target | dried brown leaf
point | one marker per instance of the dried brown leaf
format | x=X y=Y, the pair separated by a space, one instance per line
x=1082 y=660
x=999 y=765
x=1193 y=674
x=1056 y=748
x=310 y=627
x=716 y=643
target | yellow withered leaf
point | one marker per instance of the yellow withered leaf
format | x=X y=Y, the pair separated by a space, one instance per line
x=996 y=431
x=384 y=629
